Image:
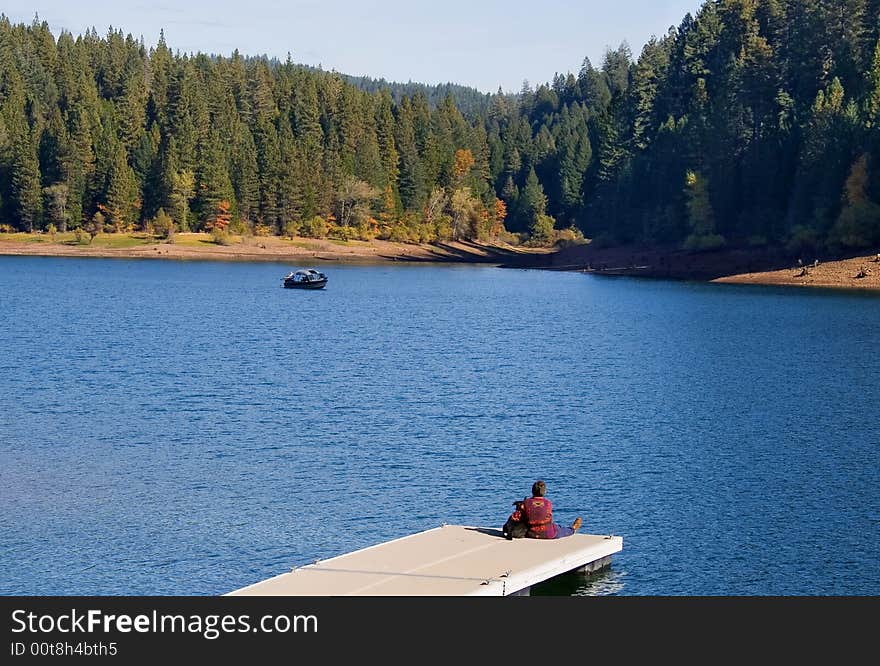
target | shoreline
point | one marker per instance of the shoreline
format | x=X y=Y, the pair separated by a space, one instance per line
x=759 y=266
x=837 y=274
x=305 y=251
x=753 y=267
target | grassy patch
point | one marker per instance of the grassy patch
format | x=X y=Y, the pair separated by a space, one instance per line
x=121 y=241
x=108 y=241
x=22 y=237
x=305 y=245
x=193 y=240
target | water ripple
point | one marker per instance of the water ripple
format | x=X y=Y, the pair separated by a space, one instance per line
x=175 y=428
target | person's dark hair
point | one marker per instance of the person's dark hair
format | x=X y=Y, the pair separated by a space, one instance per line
x=539 y=489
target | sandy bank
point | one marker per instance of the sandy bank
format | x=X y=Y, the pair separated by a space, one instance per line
x=298 y=251
x=854 y=273
x=765 y=266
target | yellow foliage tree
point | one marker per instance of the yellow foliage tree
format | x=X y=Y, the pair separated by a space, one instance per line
x=389 y=212
x=464 y=162
x=500 y=215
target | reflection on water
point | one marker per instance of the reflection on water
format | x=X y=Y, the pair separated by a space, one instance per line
x=608 y=582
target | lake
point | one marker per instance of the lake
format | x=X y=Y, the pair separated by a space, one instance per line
x=176 y=428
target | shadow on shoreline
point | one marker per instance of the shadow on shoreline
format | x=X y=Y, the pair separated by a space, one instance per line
x=472 y=253
x=676 y=264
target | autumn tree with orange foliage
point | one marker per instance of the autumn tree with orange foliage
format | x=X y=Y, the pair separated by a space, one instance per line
x=464 y=162
x=219 y=222
x=500 y=214
x=223 y=216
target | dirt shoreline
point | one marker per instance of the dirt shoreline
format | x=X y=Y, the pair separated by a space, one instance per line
x=861 y=273
x=198 y=247
x=757 y=266
x=737 y=266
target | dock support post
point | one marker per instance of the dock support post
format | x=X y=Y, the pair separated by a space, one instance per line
x=593 y=567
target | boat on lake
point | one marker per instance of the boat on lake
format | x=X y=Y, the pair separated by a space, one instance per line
x=306 y=278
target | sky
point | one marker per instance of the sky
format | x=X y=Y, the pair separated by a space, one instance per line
x=486 y=44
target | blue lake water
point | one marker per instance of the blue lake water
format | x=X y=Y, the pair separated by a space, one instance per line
x=190 y=428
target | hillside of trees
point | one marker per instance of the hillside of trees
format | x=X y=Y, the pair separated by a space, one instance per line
x=470 y=101
x=754 y=122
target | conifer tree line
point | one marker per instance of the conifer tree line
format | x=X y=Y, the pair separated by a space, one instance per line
x=753 y=122
x=100 y=131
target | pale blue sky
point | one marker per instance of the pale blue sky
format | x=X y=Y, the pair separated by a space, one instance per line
x=481 y=43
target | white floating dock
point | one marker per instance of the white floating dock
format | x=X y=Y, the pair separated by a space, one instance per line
x=452 y=560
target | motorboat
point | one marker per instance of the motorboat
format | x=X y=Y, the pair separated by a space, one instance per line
x=306 y=278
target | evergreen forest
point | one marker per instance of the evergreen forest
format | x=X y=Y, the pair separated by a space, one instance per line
x=751 y=123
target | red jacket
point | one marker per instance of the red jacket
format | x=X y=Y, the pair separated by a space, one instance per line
x=539 y=516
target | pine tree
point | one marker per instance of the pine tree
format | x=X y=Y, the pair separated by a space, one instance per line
x=873 y=103
x=131 y=107
x=290 y=183
x=122 y=200
x=269 y=169
x=648 y=72
x=387 y=144
x=183 y=189
x=532 y=207
x=574 y=153
x=213 y=187
x=26 y=188
x=306 y=117
x=368 y=163
x=56 y=205
x=79 y=168
x=160 y=68
x=410 y=177
x=245 y=174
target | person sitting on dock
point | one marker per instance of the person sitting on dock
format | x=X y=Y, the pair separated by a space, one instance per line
x=537 y=513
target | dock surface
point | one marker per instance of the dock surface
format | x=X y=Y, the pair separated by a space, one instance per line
x=452 y=560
